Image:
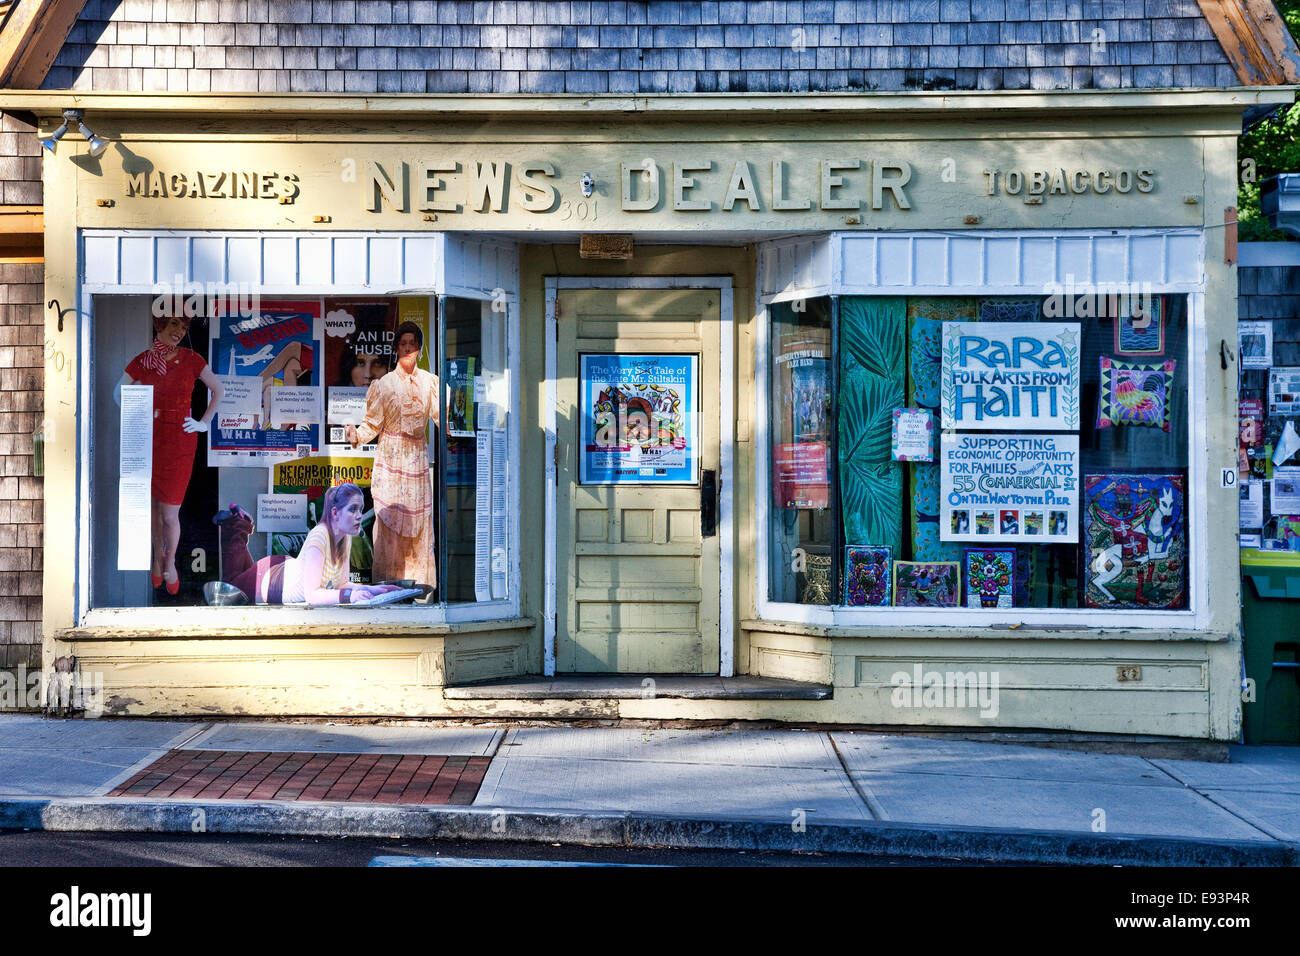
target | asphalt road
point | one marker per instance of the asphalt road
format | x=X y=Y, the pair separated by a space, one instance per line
x=46 y=848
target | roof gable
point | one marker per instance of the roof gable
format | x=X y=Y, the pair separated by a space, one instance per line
x=32 y=33
x=420 y=46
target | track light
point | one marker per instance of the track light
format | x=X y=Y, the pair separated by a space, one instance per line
x=97 y=143
x=58 y=133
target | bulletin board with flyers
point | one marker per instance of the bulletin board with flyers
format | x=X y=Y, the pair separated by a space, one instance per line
x=1268 y=433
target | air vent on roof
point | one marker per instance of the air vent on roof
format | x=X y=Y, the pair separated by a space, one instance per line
x=1279 y=199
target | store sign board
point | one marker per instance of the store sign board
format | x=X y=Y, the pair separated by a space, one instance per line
x=752 y=176
x=1000 y=375
x=638 y=415
x=1009 y=487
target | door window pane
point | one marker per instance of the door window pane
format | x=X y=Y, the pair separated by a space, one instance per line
x=475 y=466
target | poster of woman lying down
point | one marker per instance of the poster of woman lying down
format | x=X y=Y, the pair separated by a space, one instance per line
x=318 y=576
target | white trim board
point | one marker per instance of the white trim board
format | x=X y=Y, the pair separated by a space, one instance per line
x=726 y=463
x=300 y=263
x=991 y=262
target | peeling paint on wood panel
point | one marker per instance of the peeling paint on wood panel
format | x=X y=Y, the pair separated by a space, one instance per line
x=1255 y=40
x=1167 y=713
x=793 y=665
x=252 y=629
x=1277 y=37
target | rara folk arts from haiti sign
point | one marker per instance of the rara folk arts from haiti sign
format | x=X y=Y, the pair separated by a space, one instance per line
x=1009 y=487
x=1011 y=375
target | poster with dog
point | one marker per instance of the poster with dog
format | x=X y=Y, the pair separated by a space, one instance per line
x=1135 y=541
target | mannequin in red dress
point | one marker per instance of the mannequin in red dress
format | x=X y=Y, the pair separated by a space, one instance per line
x=172 y=371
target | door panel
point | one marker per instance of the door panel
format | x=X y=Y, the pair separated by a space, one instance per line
x=638 y=584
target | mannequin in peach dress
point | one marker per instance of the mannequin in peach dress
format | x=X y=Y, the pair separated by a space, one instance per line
x=399 y=407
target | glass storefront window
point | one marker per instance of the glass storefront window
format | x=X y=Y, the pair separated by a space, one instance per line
x=980 y=452
x=475 y=467
x=800 y=532
x=298 y=451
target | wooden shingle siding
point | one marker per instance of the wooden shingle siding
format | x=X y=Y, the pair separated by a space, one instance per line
x=421 y=46
x=20 y=162
x=22 y=396
x=1272 y=292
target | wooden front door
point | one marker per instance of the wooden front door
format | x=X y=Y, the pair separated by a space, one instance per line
x=637 y=577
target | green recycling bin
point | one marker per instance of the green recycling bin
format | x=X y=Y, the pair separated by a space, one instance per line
x=1270 y=614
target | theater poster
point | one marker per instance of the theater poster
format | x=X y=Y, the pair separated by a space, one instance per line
x=638 y=416
x=311 y=477
x=361 y=348
x=270 y=365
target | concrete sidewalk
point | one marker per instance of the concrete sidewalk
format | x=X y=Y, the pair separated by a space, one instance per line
x=745 y=789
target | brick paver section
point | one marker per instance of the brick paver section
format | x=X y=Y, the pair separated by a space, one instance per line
x=329 y=777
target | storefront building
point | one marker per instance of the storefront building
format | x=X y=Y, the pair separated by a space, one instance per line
x=921 y=400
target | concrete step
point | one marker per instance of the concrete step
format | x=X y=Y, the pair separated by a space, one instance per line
x=640 y=686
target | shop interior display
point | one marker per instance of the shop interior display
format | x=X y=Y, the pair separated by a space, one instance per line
x=233 y=431
x=962 y=432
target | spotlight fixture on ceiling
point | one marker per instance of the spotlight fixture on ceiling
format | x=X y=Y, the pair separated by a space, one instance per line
x=97 y=143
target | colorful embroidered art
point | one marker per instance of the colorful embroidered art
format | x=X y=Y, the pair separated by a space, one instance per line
x=990 y=576
x=925 y=318
x=867 y=576
x=1133 y=394
x=1140 y=326
x=1011 y=310
x=1135 y=541
x=927 y=583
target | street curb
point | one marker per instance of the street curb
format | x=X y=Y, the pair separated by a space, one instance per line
x=632 y=829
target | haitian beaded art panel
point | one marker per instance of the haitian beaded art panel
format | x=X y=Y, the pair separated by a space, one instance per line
x=1135 y=541
x=866 y=576
x=927 y=583
x=990 y=576
x=1134 y=394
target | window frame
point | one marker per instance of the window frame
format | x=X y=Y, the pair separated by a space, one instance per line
x=251 y=616
x=1077 y=622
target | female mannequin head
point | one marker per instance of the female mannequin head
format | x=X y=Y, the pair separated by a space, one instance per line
x=169 y=330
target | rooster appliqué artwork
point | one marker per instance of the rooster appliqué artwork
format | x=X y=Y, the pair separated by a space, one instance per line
x=1134 y=394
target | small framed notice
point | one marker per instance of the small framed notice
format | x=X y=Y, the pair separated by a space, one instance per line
x=913 y=435
x=282 y=512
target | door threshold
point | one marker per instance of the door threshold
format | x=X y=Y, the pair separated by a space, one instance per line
x=634 y=686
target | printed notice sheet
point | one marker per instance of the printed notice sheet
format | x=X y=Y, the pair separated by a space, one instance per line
x=1252 y=504
x=241 y=402
x=135 y=456
x=1285 y=493
x=500 y=506
x=483 y=517
x=282 y=513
